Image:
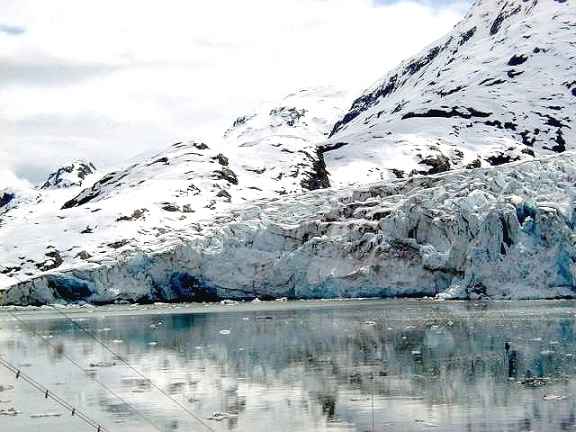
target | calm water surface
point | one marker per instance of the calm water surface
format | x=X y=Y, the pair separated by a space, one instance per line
x=303 y=366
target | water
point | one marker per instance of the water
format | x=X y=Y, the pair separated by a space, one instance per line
x=303 y=366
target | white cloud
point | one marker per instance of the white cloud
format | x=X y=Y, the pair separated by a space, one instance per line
x=114 y=78
x=9 y=180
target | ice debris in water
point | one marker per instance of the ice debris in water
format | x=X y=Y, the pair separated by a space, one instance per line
x=553 y=397
x=219 y=416
x=228 y=302
x=11 y=412
x=46 y=415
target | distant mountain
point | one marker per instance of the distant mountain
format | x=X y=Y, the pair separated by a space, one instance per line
x=280 y=142
x=72 y=174
x=271 y=152
x=500 y=87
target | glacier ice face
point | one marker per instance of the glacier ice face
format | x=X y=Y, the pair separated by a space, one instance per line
x=499 y=88
x=498 y=232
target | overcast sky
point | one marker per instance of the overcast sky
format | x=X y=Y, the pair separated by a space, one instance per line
x=105 y=80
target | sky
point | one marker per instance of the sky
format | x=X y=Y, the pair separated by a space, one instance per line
x=106 y=80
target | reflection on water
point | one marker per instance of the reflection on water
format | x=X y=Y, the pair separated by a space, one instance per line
x=357 y=366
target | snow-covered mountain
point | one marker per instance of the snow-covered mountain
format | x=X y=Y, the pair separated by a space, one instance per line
x=500 y=87
x=253 y=214
x=65 y=180
x=280 y=142
x=271 y=152
x=78 y=218
x=72 y=174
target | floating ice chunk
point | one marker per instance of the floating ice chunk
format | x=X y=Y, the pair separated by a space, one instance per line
x=102 y=364
x=219 y=416
x=228 y=302
x=10 y=412
x=425 y=423
x=552 y=397
x=46 y=415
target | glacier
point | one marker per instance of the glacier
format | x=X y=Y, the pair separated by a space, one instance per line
x=497 y=232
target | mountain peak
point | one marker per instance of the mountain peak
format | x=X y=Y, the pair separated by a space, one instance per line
x=70 y=174
x=310 y=111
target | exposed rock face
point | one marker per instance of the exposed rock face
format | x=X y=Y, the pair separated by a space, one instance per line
x=69 y=175
x=6 y=197
x=502 y=82
x=501 y=232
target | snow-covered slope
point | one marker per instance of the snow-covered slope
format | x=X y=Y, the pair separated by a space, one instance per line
x=271 y=152
x=500 y=232
x=277 y=146
x=62 y=225
x=500 y=87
